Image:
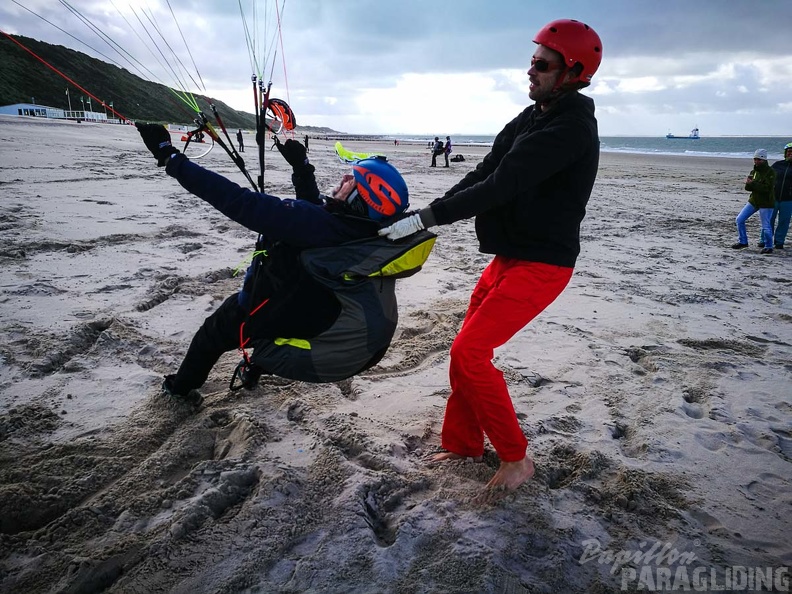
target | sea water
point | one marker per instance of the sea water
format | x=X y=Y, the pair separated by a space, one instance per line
x=738 y=147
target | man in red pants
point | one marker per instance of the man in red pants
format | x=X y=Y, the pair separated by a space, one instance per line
x=529 y=196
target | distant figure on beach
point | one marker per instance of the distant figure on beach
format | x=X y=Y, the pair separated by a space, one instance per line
x=437 y=150
x=240 y=141
x=447 y=150
x=529 y=196
x=286 y=300
x=306 y=144
x=761 y=184
x=783 y=196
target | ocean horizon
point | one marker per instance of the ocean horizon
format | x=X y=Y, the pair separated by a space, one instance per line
x=735 y=147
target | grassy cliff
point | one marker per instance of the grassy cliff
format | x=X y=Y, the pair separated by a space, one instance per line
x=23 y=77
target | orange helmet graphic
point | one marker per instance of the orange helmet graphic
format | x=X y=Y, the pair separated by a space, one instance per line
x=381 y=187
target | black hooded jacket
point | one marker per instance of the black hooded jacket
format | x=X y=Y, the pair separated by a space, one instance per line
x=529 y=194
x=783 y=183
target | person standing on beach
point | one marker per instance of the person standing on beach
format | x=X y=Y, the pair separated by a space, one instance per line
x=306 y=144
x=783 y=196
x=447 y=149
x=437 y=149
x=240 y=141
x=529 y=196
x=760 y=183
x=296 y=305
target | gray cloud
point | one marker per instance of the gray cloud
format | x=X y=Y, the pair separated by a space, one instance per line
x=338 y=48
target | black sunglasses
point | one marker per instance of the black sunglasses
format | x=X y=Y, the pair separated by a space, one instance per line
x=356 y=204
x=541 y=65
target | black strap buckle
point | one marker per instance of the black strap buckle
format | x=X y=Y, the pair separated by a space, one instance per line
x=246 y=374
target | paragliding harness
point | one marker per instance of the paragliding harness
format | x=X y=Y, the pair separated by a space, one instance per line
x=362 y=277
x=359 y=276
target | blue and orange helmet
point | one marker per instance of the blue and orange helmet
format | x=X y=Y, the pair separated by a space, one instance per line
x=380 y=189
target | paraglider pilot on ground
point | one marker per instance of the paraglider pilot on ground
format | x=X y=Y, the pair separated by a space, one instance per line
x=279 y=300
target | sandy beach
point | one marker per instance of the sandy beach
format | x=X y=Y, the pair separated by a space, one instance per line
x=655 y=393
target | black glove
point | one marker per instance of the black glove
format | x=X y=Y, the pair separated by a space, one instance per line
x=305 y=185
x=294 y=153
x=157 y=140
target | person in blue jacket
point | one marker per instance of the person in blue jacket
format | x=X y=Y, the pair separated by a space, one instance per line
x=297 y=305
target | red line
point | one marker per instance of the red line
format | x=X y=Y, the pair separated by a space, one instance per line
x=242 y=340
x=259 y=306
x=51 y=67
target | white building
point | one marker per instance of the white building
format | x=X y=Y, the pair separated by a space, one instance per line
x=42 y=111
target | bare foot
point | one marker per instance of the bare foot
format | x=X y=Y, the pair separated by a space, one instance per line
x=443 y=456
x=511 y=475
x=507 y=479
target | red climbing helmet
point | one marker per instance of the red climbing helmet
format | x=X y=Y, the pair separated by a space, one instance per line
x=381 y=187
x=576 y=41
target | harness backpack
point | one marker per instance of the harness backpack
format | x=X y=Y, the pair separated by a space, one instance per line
x=362 y=276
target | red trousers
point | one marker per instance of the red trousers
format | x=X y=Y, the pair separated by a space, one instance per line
x=509 y=294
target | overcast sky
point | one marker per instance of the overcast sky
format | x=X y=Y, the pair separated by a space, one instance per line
x=442 y=67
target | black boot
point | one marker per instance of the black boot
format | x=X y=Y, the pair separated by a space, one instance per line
x=192 y=397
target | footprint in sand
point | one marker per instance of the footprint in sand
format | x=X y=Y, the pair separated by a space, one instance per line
x=81 y=339
x=694 y=399
x=161 y=293
x=784 y=435
x=715 y=440
x=693 y=411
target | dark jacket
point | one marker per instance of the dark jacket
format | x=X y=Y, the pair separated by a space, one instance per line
x=783 y=182
x=299 y=223
x=298 y=306
x=761 y=186
x=529 y=194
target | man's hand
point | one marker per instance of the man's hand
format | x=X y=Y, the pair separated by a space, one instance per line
x=403 y=228
x=294 y=153
x=158 y=140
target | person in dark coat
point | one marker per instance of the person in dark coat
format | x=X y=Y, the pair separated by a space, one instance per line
x=529 y=196
x=783 y=197
x=437 y=150
x=447 y=150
